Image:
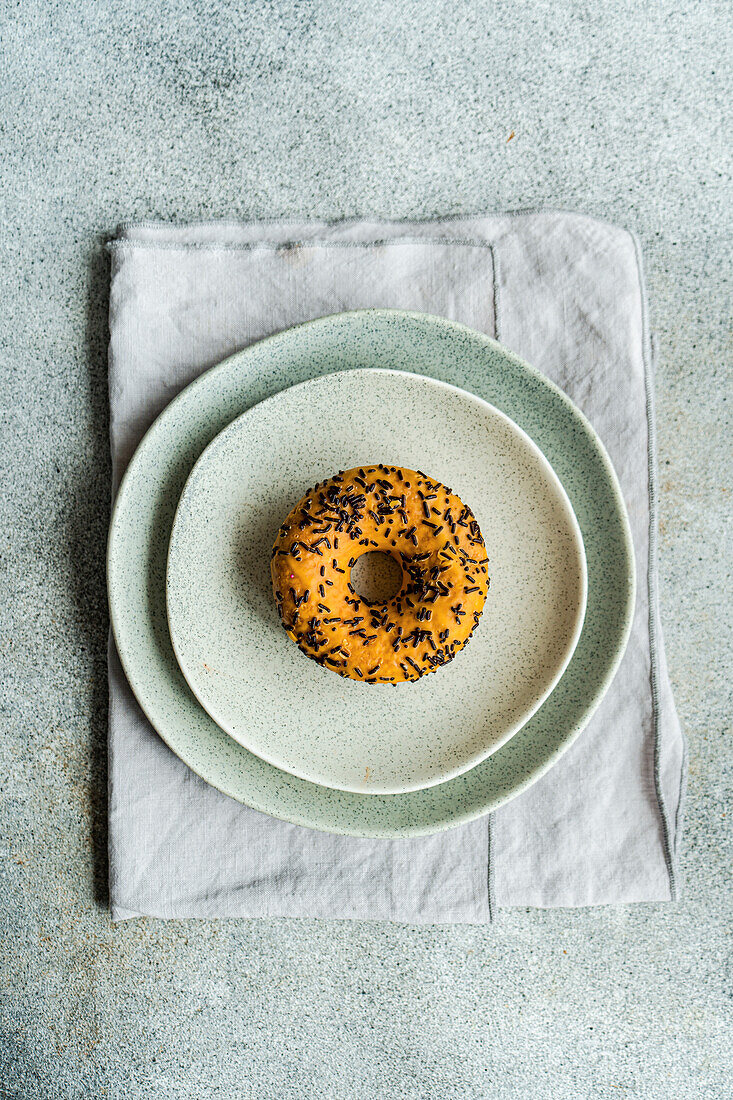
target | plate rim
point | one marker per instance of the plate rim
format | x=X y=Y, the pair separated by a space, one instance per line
x=235 y=426
x=409 y=824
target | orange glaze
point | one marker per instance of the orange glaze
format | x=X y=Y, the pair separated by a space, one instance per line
x=432 y=535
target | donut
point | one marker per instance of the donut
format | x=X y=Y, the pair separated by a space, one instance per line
x=438 y=546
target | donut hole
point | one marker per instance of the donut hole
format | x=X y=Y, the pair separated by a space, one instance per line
x=376 y=577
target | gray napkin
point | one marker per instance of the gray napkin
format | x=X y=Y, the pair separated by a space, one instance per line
x=566 y=292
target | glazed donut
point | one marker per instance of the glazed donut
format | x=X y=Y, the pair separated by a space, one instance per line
x=435 y=540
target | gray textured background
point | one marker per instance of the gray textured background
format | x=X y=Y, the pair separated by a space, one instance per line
x=113 y=111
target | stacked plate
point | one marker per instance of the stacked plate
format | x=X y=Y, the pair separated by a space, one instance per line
x=198 y=631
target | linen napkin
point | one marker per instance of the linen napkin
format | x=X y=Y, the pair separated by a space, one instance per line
x=564 y=291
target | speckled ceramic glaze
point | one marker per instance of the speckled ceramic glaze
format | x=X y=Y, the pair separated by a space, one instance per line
x=141 y=527
x=300 y=716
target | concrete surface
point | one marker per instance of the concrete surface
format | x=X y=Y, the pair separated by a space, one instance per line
x=173 y=110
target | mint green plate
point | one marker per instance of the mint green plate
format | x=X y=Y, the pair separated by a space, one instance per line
x=147 y=501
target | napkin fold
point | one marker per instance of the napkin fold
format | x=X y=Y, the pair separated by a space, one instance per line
x=565 y=292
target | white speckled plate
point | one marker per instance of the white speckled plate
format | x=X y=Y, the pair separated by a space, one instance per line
x=299 y=716
x=140 y=533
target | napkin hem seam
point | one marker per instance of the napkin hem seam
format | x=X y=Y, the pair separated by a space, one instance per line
x=290 y=245
x=357 y=219
x=652 y=566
